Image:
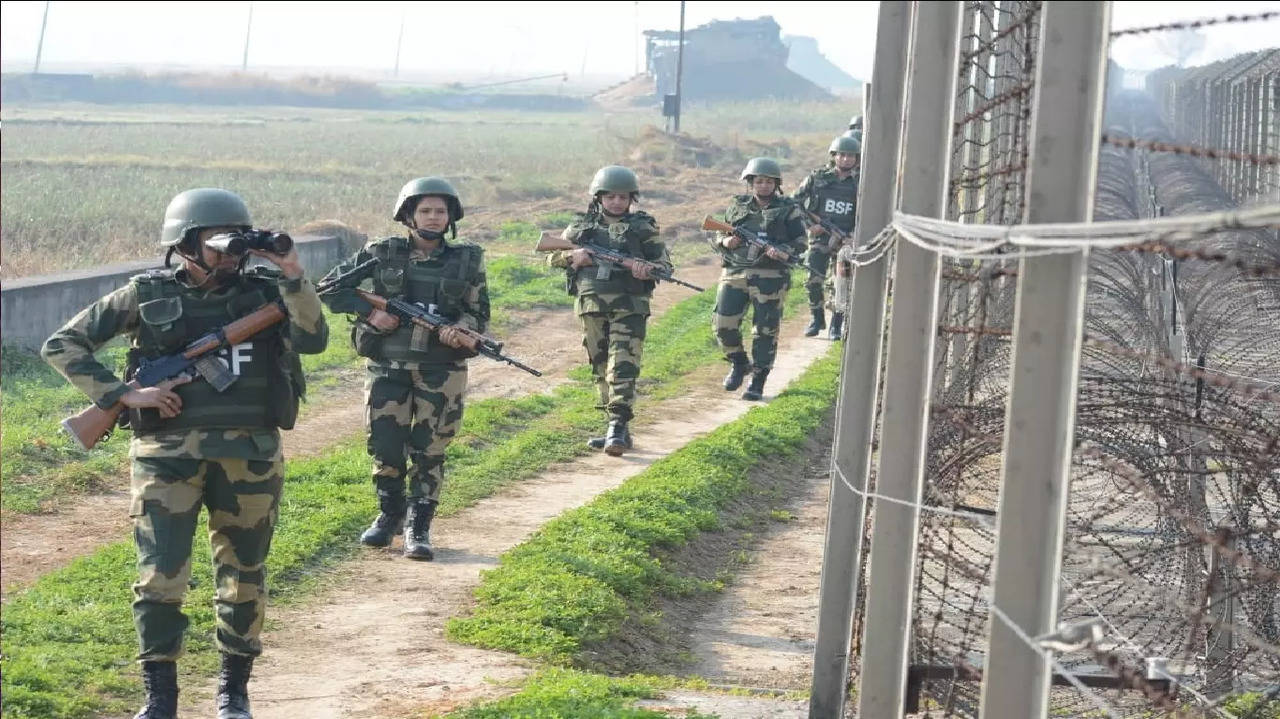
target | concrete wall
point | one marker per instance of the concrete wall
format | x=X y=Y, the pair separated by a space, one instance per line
x=31 y=308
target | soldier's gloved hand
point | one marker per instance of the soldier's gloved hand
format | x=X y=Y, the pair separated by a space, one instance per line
x=455 y=338
x=774 y=253
x=580 y=258
x=640 y=270
x=817 y=230
x=161 y=397
x=383 y=321
x=731 y=242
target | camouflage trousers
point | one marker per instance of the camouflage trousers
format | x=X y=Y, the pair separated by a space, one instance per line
x=243 y=498
x=412 y=414
x=614 y=342
x=839 y=283
x=763 y=292
x=818 y=263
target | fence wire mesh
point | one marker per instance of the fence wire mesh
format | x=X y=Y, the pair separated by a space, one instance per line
x=1172 y=553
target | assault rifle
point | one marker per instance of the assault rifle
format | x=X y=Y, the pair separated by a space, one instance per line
x=711 y=223
x=835 y=235
x=548 y=243
x=93 y=424
x=421 y=316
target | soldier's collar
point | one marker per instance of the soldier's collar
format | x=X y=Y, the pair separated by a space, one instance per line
x=417 y=253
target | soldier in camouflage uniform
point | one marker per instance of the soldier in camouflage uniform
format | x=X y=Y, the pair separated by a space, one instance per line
x=416 y=378
x=612 y=301
x=193 y=445
x=755 y=279
x=832 y=193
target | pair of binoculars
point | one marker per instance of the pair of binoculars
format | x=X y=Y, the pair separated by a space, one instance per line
x=238 y=243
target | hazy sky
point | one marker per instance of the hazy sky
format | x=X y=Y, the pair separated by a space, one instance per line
x=507 y=38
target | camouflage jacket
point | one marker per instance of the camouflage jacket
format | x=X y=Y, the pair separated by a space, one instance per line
x=825 y=193
x=472 y=311
x=70 y=351
x=602 y=287
x=780 y=221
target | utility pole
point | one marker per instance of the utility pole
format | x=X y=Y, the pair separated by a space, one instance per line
x=399 y=43
x=679 y=72
x=248 y=29
x=40 y=45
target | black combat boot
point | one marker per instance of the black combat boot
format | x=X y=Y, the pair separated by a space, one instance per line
x=160 y=679
x=733 y=380
x=417 y=527
x=837 y=324
x=818 y=324
x=618 y=439
x=233 y=687
x=756 y=389
x=599 y=442
x=388 y=523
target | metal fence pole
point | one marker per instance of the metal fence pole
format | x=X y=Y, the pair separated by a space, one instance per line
x=855 y=416
x=926 y=150
x=1066 y=123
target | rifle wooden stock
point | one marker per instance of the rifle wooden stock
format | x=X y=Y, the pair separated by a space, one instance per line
x=548 y=242
x=93 y=424
x=711 y=223
x=470 y=338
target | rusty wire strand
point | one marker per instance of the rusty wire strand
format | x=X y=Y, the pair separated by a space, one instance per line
x=1192 y=150
x=1188 y=253
x=1194 y=24
x=1247 y=389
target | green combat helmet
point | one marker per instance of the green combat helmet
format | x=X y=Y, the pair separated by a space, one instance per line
x=614 y=178
x=199 y=208
x=765 y=166
x=427 y=186
x=846 y=144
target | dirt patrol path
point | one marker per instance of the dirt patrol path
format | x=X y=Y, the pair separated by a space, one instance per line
x=758 y=634
x=550 y=340
x=371 y=643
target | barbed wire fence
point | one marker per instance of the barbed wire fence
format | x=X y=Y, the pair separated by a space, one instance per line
x=1166 y=582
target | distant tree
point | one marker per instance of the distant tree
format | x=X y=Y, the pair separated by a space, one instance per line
x=1181 y=45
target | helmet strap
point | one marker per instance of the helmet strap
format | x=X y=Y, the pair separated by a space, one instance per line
x=431 y=235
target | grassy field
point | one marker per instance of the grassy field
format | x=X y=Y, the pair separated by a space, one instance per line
x=84 y=185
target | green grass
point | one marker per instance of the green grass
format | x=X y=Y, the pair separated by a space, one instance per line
x=580 y=577
x=87 y=185
x=569 y=694
x=69 y=637
x=525 y=283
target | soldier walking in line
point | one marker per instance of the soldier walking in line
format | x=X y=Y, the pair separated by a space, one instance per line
x=416 y=378
x=831 y=192
x=612 y=301
x=194 y=445
x=754 y=278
